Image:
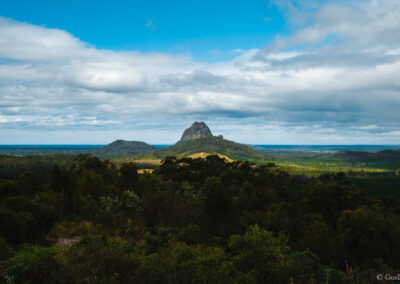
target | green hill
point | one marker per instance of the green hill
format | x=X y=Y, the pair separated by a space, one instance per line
x=212 y=145
x=120 y=148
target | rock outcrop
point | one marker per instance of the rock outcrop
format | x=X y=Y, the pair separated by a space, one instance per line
x=196 y=131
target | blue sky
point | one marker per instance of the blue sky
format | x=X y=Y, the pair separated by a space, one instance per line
x=260 y=72
x=209 y=30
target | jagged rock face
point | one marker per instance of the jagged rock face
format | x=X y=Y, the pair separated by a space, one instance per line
x=196 y=131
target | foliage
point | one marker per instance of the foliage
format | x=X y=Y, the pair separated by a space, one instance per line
x=201 y=220
x=120 y=148
x=34 y=264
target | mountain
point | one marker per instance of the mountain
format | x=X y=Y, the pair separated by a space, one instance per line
x=195 y=139
x=196 y=131
x=122 y=148
x=211 y=145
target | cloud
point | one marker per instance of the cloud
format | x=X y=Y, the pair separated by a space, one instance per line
x=333 y=79
x=150 y=24
x=266 y=19
x=20 y=41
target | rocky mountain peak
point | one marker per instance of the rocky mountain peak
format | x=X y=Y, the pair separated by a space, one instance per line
x=196 y=131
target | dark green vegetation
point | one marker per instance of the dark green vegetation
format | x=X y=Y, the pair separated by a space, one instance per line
x=212 y=145
x=26 y=150
x=378 y=184
x=359 y=156
x=376 y=172
x=121 y=148
x=84 y=220
x=12 y=168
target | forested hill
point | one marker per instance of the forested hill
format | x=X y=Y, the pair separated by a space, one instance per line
x=361 y=156
x=212 y=145
x=121 y=148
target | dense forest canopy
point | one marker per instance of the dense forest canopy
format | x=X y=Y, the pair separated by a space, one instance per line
x=77 y=219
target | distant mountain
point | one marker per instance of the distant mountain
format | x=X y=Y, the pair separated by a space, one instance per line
x=199 y=139
x=196 y=131
x=358 y=156
x=122 y=148
x=211 y=145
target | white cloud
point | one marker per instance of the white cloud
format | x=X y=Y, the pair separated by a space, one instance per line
x=20 y=41
x=335 y=76
x=369 y=127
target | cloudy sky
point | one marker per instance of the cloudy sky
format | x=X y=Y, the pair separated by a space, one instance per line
x=259 y=72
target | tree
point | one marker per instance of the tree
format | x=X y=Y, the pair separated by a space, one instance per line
x=129 y=176
x=260 y=255
x=161 y=207
x=317 y=238
x=34 y=265
x=218 y=205
x=181 y=263
x=363 y=237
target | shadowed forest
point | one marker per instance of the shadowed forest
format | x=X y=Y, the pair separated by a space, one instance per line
x=78 y=219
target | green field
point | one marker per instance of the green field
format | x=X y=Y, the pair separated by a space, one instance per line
x=378 y=178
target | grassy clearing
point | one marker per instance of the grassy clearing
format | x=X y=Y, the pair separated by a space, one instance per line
x=144 y=171
x=317 y=164
x=379 y=179
x=204 y=155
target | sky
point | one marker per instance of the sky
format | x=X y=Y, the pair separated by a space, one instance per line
x=257 y=72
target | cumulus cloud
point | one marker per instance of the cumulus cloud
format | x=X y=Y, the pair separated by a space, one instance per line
x=20 y=41
x=334 y=78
